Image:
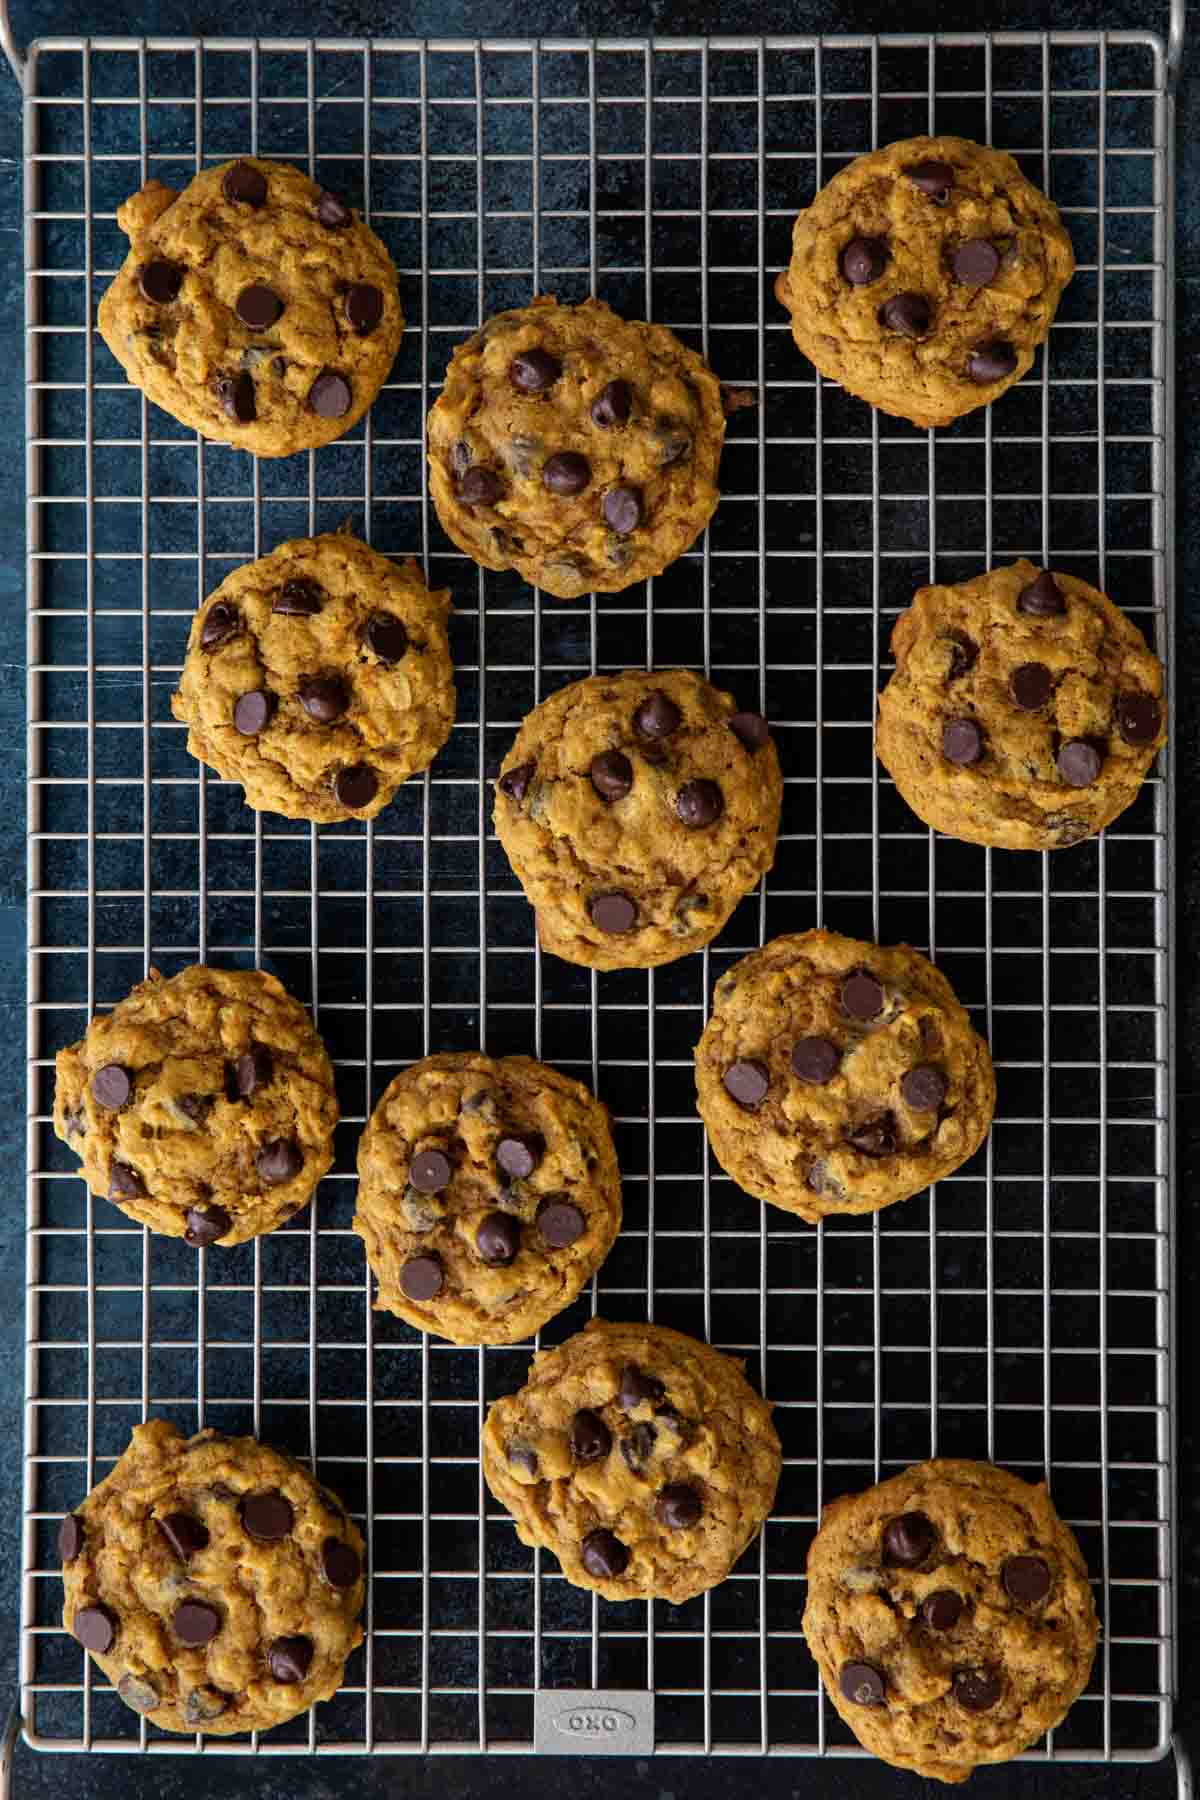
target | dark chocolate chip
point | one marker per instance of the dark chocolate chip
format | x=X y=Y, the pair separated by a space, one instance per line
x=923 y=1088
x=356 y=786
x=523 y=1454
x=590 y=1437
x=160 y=281
x=324 y=698
x=258 y=306
x=862 y=995
x=678 y=1506
x=421 y=1277
x=942 y=1610
x=560 y=1223
x=604 y=1555
x=1031 y=685
x=430 y=1171
x=864 y=260
x=481 y=487
x=341 y=1564
x=699 y=803
x=196 y=1623
x=71 y=1538
x=330 y=396
x=934 y=179
x=124 y=1183
x=750 y=729
x=1139 y=718
x=533 y=371
x=1079 y=762
x=461 y=456
x=252 y=711
x=205 y=1224
x=204 y=1704
x=279 y=1161
x=962 y=742
x=242 y=182
x=614 y=913
x=638 y=1447
x=964 y=653
x=139 y=1693
x=236 y=394
x=331 y=212
x=908 y=1539
x=185 y=1534
x=874 y=1137
x=252 y=1070
x=1026 y=1579
x=95 y=1627
x=637 y=1387
x=518 y=1154
x=267 y=1516
x=364 y=307
x=299 y=598
x=220 y=622
x=1043 y=597
x=746 y=1081
x=386 y=637
x=612 y=404
x=612 y=775
x=815 y=1060
x=909 y=314
x=111 y=1086
x=657 y=716
x=992 y=362
x=623 y=509
x=674 y=1421
x=976 y=262
x=498 y=1239
x=566 y=473
x=862 y=1684
x=515 y=782
x=977 y=1690
x=674 y=441
x=290 y=1658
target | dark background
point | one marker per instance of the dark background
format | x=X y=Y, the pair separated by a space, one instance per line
x=43 y=1775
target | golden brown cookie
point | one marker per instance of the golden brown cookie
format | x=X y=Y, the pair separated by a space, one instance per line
x=836 y=1076
x=320 y=678
x=202 y=1106
x=488 y=1195
x=576 y=447
x=254 y=307
x=1025 y=710
x=950 y=1615
x=924 y=276
x=643 y=1458
x=215 y=1582
x=637 y=810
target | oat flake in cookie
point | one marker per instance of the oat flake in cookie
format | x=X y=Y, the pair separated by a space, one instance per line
x=837 y=1076
x=577 y=447
x=1025 y=710
x=637 y=810
x=320 y=678
x=950 y=1614
x=641 y=1457
x=924 y=276
x=488 y=1195
x=216 y=1584
x=254 y=306
x=202 y=1106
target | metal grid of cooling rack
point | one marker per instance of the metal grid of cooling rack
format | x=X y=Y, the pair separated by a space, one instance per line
x=1021 y=1311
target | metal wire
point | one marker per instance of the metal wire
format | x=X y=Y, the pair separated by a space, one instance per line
x=1021 y=1311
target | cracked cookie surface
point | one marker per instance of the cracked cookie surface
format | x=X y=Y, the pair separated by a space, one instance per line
x=924 y=275
x=577 y=447
x=202 y=1106
x=950 y=1615
x=839 y=1076
x=215 y=1582
x=320 y=678
x=488 y=1195
x=1025 y=710
x=254 y=307
x=637 y=810
x=641 y=1457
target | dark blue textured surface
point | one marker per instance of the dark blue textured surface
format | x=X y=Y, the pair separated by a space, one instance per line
x=59 y=1775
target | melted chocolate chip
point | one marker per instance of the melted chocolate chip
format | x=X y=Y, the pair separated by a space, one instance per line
x=566 y=473
x=909 y=314
x=244 y=184
x=942 y=1610
x=699 y=804
x=205 y=1224
x=1026 y=1579
x=611 y=774
x=430 y=1171
x=560 y=1223
x=923 y=1088
x=138 y=1692
x=111 y=1086
x=331 y=212
x=962 y=742
x=267 y=1516
x=657 y=716
x=160 y=281
x=236 y=394
x=623 y=509
x=964 y=653
x=864 y=260
x=498 y=1239
x=590 y=1437
x=977 y=1690
x=604 y=1555
x=290 y=1658
x=1030 y=685
x=324 y=699
x=196 y=1623
x=874 y=1137
x=1043 y=597
x=976 y=262
x=518 y=1155
x=862 y=1684
x=815 y=1060
x=95 y=1627
x=862 y=995
x=481 y=487
x=636 y=1387
x=252 y=1070
x=124 y=1183
x=299 y=598
x=341 y=1564
x=992 y=362
x=258 y=307
x=515 y=782
x=1139 y=718
x=935 y=179
x=252 y=712
x=421 y=1277
x=1079 y=762
x=638 y=1447
x=750 y=729
x=356 y=786
x=185 y=1534
x=279 y=1161
x=221 y=621
x=364 y=307
x=614 y=913
x=523 y=1455
x=330 y=396
x=908 y=1539
x=746 y=1081
x=678 y=1506
x=386 y=637
x=71 y=1538
x=204 y=1704
x=612 y=404
x=533 y=371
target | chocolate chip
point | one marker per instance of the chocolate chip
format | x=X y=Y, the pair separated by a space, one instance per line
x=244 y=183
x=614 y=913
x=204 y=1704
x=674 y=441
x=862 y=1684
x=675 y=1421
x=430 y=1171
x=992 y=362
x=699 y=803
x=636 y=1387
x=1079 y=762
x=220 y=622
x=612 y=775
x=862 y=995
x=498 y=1239
x=236 y=394
x=111 y=1086
x=864 y=260
x=267 y=1516
x=623 y=509
x=746 y=1081
x=185 y=1534
x=942 y=1610
x=976 y=262
x=1139 y=718
x=533 y=371
x=750 y=729
x=523 y=1455
x=657 y=716
x=909 y=314
x=566 y=473
x=962 y=742
x=356 y=786
x=874 y=1137
x=290 y=1658
x=324 y=698
x=364 y=307
x=964 y=652
x=341 y=1564
x=923 y=1088
x=386 y=637
x=517 y=1155
x=160 y=281
x=299 y=598
x=604 y=1555
x=252 y=1070
x=196 y=1623
x=71 y=1538
x=612 y=404
x=461 y=456
x=330 y=395
x=481 y=487
x=205 y=1224
x=279 y=1161
x=934 y=179
x=560 y=1223
x=331 y=213
x=638 y=1447
x=977 y=1690
x=421 y=1277
x=678 y=1506
x=1031 y=685
x=258 y=306
x=1043 y=597
x=590 y=1437
x=815 y=1060
x=137 y=1692
x=908 y=1539
x=124 y=1183
x=1026 y=1579
x=95 y=1627
x=252 y=711
x=515 y=782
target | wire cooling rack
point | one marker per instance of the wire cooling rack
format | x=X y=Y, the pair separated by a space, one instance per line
x=1022 y=1311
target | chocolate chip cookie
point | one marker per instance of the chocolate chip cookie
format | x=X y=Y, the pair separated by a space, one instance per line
x=254 y=306
x=488 y=1195
x=1025 y=710
x=202 y=1106
x=924 y=276
x=320 y=678
x=576 y=447
x=836 y=1076
x=950 y=1615
x=637 y=810
x=215 y=1582
x=642 y=1458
